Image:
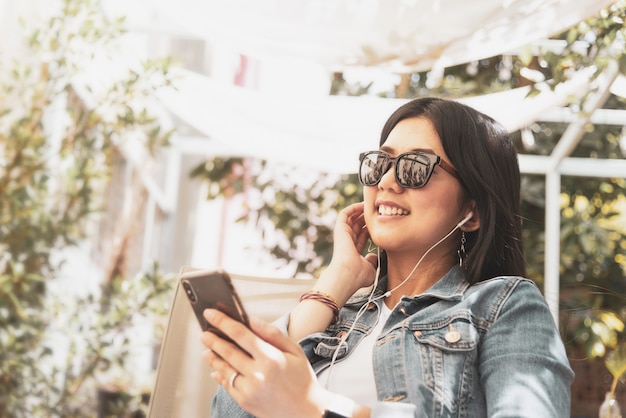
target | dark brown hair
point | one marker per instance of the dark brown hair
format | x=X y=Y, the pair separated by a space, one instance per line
x=485 y=159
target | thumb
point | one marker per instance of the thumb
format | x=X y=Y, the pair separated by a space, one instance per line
x=372 y=259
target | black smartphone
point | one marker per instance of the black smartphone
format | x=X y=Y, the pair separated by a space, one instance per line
x=213 y=289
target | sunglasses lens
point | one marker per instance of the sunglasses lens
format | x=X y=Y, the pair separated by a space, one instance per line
x=413 y=170
x=372 y=168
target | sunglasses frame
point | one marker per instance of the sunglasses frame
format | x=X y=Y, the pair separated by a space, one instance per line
x=393 y=161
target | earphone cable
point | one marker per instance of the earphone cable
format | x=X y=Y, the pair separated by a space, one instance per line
x=371 y=298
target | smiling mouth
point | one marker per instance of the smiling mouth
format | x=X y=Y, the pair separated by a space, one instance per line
x=392 y=211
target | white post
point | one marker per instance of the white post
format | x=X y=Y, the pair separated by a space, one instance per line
x=552 y=262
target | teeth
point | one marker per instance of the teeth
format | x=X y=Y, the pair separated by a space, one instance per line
x=391 y=211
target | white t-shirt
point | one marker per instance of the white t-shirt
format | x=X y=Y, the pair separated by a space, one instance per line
x=354 y=376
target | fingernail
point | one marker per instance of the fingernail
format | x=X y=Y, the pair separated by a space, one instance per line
x=208 y=314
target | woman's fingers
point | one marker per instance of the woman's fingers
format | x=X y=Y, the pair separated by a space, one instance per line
x=354 y=217
x=372 y=259
x=222 y=371
x=274 y=336
x=262 y=341
x=264 y=370
x=362 y=237
x=350 y=224
x=236 y=355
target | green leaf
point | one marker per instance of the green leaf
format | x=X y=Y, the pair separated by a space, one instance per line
x=616 y=364
x=616 y=361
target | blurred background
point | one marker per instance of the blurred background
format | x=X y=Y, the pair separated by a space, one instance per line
x=141 y=136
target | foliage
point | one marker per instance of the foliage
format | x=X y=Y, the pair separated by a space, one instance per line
x=58 y=137
x=593 y=253
x=98 y=330
x=616 y=363
x=293 y=208
x=593 y=256
x=590 y=44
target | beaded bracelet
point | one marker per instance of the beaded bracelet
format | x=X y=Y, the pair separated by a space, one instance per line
x=324 y=298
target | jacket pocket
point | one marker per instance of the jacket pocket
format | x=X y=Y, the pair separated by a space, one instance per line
x=326 y=347
x=447 y=351
x=454 y=334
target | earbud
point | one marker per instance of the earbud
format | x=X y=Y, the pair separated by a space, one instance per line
x=467 y=218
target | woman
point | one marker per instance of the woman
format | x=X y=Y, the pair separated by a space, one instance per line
x=441 y=323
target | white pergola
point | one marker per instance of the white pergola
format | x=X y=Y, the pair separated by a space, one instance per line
x=256 y=126
x=315 y=37
x=397 y=35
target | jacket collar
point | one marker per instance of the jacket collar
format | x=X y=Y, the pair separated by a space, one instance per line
x=450 y=287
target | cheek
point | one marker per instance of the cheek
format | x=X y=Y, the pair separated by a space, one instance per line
x=369 y=218
x=369 y=197
x=369 y=194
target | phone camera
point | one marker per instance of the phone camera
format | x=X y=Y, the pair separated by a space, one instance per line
x=189 y=291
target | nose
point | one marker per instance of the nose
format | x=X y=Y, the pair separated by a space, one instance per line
x=388 y=179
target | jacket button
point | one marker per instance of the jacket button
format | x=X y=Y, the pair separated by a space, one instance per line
x=418 y=333
x=341 y=334
x=371 y=306
x=452 y=336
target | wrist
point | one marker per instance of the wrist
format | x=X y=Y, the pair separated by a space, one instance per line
x=339 y=407
x=337 y=282
x=325 y=299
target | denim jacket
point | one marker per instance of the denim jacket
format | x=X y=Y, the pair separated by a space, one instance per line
x=458 y=350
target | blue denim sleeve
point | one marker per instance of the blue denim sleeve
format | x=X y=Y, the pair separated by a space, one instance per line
x=223 y=406
x=523 y=366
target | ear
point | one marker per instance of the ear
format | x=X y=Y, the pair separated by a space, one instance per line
x=473 y=223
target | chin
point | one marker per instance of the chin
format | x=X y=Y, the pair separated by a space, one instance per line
x=384 y=241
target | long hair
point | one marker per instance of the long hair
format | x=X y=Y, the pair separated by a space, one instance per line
x=485 y=159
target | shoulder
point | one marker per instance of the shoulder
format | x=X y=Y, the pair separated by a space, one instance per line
x=504 y=294
x=506 y=285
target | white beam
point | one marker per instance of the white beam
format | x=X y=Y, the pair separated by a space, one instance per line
x=599 y=116
x=576 y=129
x=573 y=166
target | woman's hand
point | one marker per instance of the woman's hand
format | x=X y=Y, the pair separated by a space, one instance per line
x=347 y=272
x=273 y=376
x=350 y=238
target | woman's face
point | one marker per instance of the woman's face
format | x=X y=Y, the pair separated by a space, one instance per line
x=403 y=220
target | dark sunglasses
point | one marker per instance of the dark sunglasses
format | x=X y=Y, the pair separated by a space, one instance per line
x=413 y=169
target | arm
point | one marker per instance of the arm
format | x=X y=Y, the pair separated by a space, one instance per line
x=275 y=377
x=347 y=272
x=523 y=366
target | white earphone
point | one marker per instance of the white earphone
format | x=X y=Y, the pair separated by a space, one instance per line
x=464 y=220
x=371 y=297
